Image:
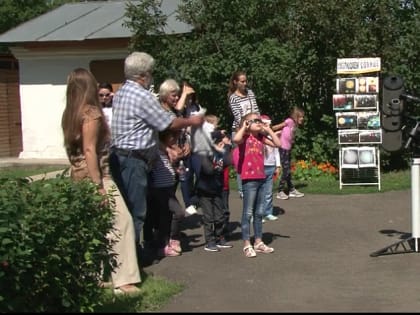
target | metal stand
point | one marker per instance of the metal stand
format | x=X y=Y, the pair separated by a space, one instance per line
x=411 y=244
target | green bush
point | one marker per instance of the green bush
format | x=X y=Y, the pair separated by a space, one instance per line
x=53 y=244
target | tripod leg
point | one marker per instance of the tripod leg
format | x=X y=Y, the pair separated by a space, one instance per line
x=401 y=247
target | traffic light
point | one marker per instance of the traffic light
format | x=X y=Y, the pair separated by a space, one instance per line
x=392 y=113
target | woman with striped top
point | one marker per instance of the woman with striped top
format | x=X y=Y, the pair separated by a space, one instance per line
x=242 y=101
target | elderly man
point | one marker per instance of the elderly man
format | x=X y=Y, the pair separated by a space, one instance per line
x=137 y=118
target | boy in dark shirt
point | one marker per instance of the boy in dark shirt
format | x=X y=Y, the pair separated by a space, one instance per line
x=209 y=188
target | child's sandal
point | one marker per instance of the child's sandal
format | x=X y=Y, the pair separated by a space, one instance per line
x=249 y=251
x=262 y=248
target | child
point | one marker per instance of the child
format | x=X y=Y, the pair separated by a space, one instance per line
x=288 y=128
x=250 y=138
x=164 y=210
x=221 y=136
x=271 y=168
x=209 y=188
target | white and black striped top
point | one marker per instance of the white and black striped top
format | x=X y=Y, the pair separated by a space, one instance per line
x=240 y=106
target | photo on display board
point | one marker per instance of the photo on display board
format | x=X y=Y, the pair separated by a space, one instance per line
x=366 y=101
x=367 y=157
x=370 y=136
x=348 y=136
x=346 y=86
x=368 y=85
x=346 y=120
x=350 y=157
x=368 y=120
x=343 y=102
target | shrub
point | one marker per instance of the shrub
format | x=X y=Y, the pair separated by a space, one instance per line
x=53 y=242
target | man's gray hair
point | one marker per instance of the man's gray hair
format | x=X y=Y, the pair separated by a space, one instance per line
x=137 y=64
x=168 y=86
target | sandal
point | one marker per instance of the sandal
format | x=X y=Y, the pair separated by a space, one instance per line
x=249 y=251
x=262 y=248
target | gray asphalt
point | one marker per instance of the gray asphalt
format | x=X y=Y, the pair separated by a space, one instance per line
x=322 y=260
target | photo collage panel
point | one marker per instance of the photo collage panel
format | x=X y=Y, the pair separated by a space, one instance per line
x=359 y=127
x=358 y=157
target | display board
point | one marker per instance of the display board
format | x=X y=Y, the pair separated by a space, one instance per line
x=358 y=120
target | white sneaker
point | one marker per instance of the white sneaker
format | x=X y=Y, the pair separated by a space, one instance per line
x=282 y=195
x=270 y=217
x=190 y=210
x=296 y=194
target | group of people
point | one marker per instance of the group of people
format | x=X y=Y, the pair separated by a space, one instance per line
x=143 y=145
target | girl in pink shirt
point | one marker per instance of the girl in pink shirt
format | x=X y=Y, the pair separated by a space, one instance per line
x=250 y=138
x=288 y=128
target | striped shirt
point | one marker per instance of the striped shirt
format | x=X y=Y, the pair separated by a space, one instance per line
x=137 y=117
x=240 y=106
x=162 y=173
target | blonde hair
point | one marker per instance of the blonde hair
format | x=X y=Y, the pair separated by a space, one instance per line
x=296 y=112
x=246 y=117
x=168 y=86
x=212 y=119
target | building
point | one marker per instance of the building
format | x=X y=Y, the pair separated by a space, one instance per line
x=84 y=34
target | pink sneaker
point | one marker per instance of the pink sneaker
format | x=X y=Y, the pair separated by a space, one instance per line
x=175 y=245
x=168 y=251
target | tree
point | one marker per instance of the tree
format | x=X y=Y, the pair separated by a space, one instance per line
x=289 y=50
x=15 y=12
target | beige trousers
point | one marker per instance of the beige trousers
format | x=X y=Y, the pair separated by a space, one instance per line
x=127 y=269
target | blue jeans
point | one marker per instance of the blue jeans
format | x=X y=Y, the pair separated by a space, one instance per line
x=268 y=187
x=253 y=206
x=238 y=176
x=130 y=175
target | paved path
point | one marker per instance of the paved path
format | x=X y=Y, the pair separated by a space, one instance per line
x=321 y=262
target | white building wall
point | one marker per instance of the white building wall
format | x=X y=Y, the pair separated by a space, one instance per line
x=42 y=95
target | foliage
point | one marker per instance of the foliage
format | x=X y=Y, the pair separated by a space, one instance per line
x=15 y=12
x=289 y=51
x=53 y=241
x=303 y=170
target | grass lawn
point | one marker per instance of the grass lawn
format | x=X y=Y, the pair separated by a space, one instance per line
x=400 y=180
x=29 y=170
x=389 y=181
